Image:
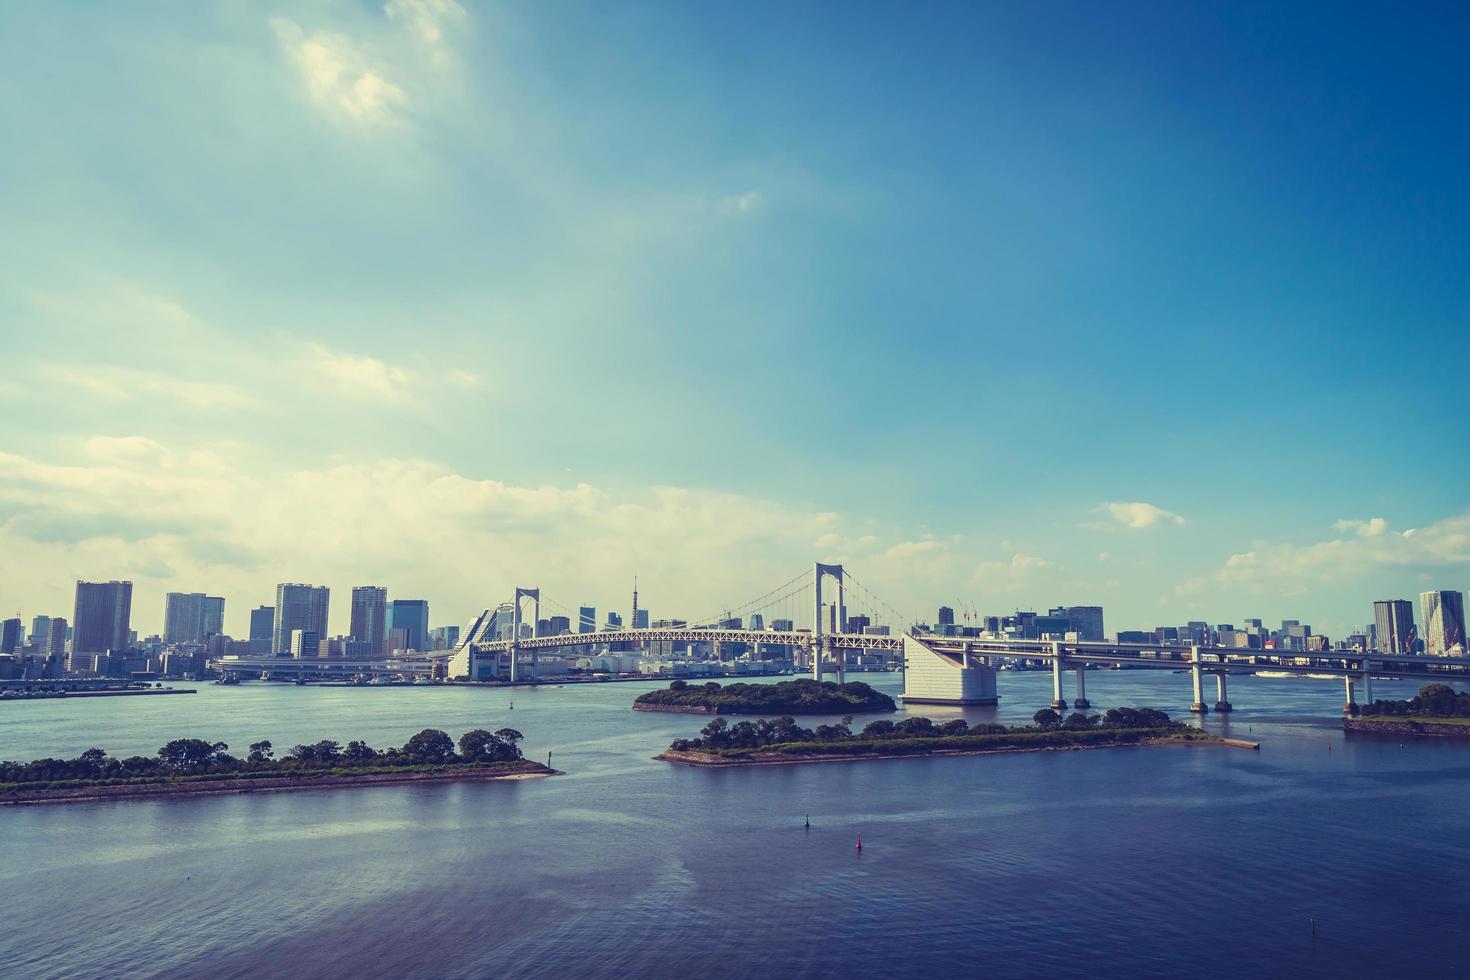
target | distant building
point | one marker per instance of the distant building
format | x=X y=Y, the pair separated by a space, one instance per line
x=757 y=621
x=614 y=621
x=1087 y=621
x=946 y=616
x=102 y=616
x=370 y=618
x=262 y=622
x=56 y=641
x=587 y=619
x=214 y=616
x=445 y=637
x=855 y=624
x=40 y=630
x=1444 y=621
x=10 y=635
x=299 y=608
x=1393 y=626
x=183 y=617
x=305 y=643
x=640 y=619
x=783 y=625
x=557 y=625
x=412 y=616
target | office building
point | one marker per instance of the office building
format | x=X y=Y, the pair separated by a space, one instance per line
x=299 y=608
x=1087 y=622
x=214 y=616
x=305 y=643
x=262 y=622
x=183 y=617
x=1393 y=626
x=640 y=619
x=10 y=635
x=587 y=619
x=557 y=625
x=40 y=630
x=614 y=621
x=411 y=616
x=370 y=618
x=946 y=616
x=56 y=641
x=1444 y=622
x=101 y=618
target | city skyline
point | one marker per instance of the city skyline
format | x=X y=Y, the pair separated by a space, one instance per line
x=1056 y=318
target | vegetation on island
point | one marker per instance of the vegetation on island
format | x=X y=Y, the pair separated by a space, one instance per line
x=1433 y=703
x=916 y=736
x=802 y=696
x=195 y=760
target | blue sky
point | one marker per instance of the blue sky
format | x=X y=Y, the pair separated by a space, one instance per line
x=1157 y=306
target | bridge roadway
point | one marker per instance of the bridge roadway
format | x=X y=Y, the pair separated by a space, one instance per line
x=1143 y=655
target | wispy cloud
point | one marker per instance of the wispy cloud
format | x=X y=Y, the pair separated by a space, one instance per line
x=337 y=74
x=1134 y=515
x=1361 y=548
x=359 y=376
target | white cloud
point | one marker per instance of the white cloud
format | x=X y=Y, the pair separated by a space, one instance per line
x=425 y=18
x=358 y=376
x=1361 y=548
x=337 y=75
x=1137 y=515
x=126 y=384
x=745 y=203
x=1103 y=556
x=460 y=376
x=1372 y=528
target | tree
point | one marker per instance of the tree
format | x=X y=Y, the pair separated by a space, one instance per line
x=878 y=729
x=678 y=685
x=1078 y=721
x=477 y=744
x=92 y=760
x=430 y=746
x=951 y=729
x=190 y=753
x=260 y=751
x=714 y=733
x=1047 y=718
x=359 y=751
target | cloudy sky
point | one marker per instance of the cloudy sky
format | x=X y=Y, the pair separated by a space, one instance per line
x=1003 y=304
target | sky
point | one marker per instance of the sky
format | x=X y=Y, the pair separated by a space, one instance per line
x=1163 y=307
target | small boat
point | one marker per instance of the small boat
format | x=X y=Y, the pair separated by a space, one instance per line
x=859 y=844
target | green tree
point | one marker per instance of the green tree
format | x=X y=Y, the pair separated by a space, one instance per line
x=260 y=751
x=190 y=753
x=430 y=746
x=358 y=751
x=1047 y=718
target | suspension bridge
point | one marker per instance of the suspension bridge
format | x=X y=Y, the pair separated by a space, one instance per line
x=806 y=621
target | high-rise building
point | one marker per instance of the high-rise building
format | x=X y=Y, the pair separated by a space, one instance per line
x=10 y=635
x=305 y=643
x=946 y=616
x=56 y=641
x=41 y=630
x=299 y=607
x=214 y=616
x=614 y=621
x=262 y=622
x=1393 y=626
x=1444 y=621
x=587 y=619
x=757 y=621
x=1087 y=622
x=101 y=617
x=183 y=617
x=640 y=619
x=412 y=616
x=557 y=625
x=370 y=618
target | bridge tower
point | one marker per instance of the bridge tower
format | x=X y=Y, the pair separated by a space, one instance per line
x=822 y=571
x=515 y=632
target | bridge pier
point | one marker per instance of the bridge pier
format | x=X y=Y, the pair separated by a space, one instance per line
x=1350 y=707
x=1222 y=698
x=1058 y=701
x=1367 y=681
x=817 y=662
x=1082 y=703
x=1198 y=705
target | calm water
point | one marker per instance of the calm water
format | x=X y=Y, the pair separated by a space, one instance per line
x=1198 y=862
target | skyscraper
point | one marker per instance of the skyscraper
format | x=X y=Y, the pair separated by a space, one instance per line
x=10 y=635
x=1444 y=621
x=411 y=616
x=1393 y=626
x=369 y=617
x=101 y=618
x=41 y=630
x=56 y=641
x=946 y=616
x=214 y=616
x=587 y=619
x=299 y=607
x=183 y=617
x=262 y=622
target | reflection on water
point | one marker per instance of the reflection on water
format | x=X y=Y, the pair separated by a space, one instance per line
x=1204 y=861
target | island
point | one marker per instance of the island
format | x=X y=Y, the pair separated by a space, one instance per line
x=783 y=741
x=802 y=696
x=1436 y=710
x=193 y=766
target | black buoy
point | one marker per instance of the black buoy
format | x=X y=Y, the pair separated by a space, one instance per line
x=808 y=821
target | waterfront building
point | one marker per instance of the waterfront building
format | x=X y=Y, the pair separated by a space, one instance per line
x=299 y=607
x=587 y=619
x=40 y=630
x=101 y=617
x=1444 y=621
x=262 y=622
x=183 y=617
x=411 y=616
x=1088 y=622
x=369 y=618
x=214 y=616
x=305 y=643
x=10 y=635
x=1393 y=626
x=56 y=641
x=445 y=637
